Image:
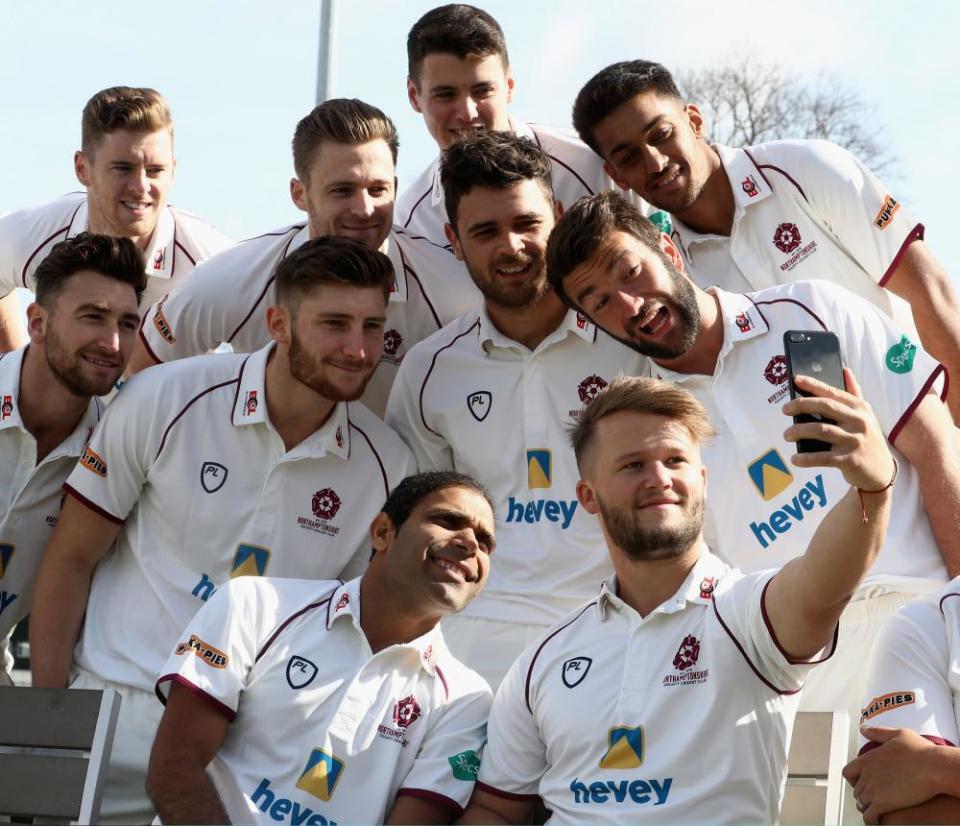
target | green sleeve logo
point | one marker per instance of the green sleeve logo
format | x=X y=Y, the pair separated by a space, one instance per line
x=900 y=357
x=662 y=221
x=466 y=765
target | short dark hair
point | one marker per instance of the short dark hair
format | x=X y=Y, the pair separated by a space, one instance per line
x=133 y=109
x=493 y=159
x=456 y=29
x=340 y=120
x=116 y=258
x=331 y=260
x=582 y=229
x=414 y=489
x=610 y=88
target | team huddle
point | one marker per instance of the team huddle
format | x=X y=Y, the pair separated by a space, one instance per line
x=493 y=511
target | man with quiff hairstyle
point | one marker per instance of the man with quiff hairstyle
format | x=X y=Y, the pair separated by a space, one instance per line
x=691 y=669
x=126 y=163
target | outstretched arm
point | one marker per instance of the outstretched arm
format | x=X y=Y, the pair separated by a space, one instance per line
x=807 y=596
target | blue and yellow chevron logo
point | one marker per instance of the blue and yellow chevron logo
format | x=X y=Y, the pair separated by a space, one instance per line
x=625 y=750
x=6 y=551
x=539 y=468
x=321 y=774
x=250 y=560
x=770 y=474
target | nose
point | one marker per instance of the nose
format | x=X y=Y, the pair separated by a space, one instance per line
x=655 y=160
x=364 y=203
x=109 y=339
x=354 y=343
x=515 y=242
x=629 y=305
x=467 y=109
x=657 y=476
x=140 y=181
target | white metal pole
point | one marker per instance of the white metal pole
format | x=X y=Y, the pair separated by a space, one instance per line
x=325 y=51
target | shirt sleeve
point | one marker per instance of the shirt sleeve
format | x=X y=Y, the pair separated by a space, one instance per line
x=515 y=757
x=13 y=229
x=741 y=610
x=115 y=463
x=448 y=761
x=908 y=683
x=405 y=415
x=206 y=309
x=869 y=221
x=893 y=371
x=217 y=649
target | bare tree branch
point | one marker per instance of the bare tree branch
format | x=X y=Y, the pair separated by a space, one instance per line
x=747 y=101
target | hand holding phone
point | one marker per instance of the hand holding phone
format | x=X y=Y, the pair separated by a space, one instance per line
x=813 y=353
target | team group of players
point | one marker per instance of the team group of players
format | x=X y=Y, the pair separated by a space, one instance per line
x=555 y=341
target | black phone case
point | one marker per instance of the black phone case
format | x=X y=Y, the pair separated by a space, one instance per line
x=817 y=347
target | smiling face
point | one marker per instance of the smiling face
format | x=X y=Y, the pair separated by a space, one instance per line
x=350 y=191
x=638 y=296
x=655 y=146
x=644 y=478
x=502 y=238
x=457 y=96
x=441 y=553
x=127 y=176
x=334 y=338
x=88 y=333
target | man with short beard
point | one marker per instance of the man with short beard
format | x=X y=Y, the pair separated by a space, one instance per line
x=82 y=328
x=727 y=348
x=690 y=669
x=211 y=468
x=493 y=392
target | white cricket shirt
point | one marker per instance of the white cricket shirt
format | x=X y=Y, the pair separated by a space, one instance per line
x=803 y=210
x=322 y=730
x=761 y=510
x=31 y=494
x=682 y=716
x=227 y=301
x=914 y=673
x=576 y=171
x=180 y=242
x=187 y=462
x=472 y=399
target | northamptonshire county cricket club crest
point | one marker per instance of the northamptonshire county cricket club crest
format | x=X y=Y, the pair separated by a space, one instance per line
x=587 y=391
x=685 y=659
x=776 y=373
x=392 y=342
x=325 y=504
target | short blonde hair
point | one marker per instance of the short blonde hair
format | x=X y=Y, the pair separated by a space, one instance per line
x=640 y=395
x=122 y=107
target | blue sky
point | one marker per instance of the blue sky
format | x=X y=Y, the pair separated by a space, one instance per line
x=239 y=75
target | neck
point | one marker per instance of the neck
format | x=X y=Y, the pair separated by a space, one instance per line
x=531 y=324
x=712 y=212
x=101 y=228
x=646 y=584
x=701 y=358
x=395 y=620
x=48 y=410
x=294 y=409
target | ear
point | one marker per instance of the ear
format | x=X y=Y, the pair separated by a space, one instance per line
x=511 y=83
x=382 y=533
x=703 y=475
x=278 y=323
x=81 y=167
x=671 y=251
x=298 y=194
x=36 y=323
x=454 y=241
x=695 y=118
x=587 y=498
x=612 y=172
x=413 y=96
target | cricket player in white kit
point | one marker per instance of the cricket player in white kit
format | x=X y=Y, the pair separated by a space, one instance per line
x=493 y=393
x=670 y=697
x=459 y=79
x=212 y=468
x=909 y=763
x=727 y=349
x=750 y=218
x=324 y=702
x=345 y=154
x=82 y=328
x=126 y=162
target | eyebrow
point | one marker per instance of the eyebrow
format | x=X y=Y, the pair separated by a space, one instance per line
x=587 y=291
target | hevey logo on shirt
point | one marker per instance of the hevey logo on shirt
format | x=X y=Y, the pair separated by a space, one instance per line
x=625 y=751
x=539 y=468
x=319 y=779
x=771 y=477
x=553 y=510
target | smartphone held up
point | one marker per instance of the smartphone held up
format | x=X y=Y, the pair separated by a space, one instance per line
x=813 y=353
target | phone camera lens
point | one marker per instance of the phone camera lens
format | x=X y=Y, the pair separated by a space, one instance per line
x=797 y=337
